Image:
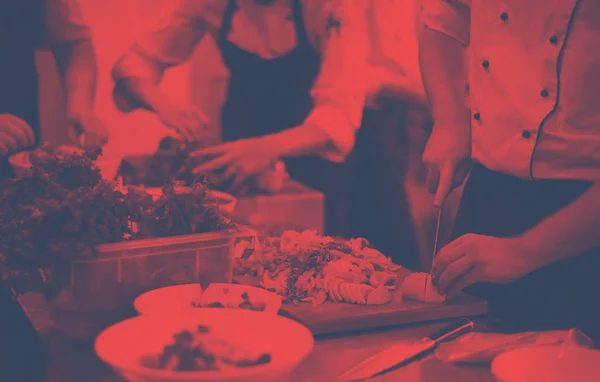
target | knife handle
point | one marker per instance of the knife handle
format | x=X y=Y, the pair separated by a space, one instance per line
x=452 y=330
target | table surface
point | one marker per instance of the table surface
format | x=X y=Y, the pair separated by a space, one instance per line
x=75 y=361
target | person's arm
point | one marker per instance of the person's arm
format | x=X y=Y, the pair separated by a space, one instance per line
x=69 y=39
x=443 y=42
x=442 y=56
x=76 y=62
x=339 y=91
x=170 y=42
x=571 y=231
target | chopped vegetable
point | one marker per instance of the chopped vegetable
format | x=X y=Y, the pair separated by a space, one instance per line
x=310 y=268
x=203 y=351
x=61 y=210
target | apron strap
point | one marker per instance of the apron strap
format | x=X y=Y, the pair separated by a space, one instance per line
x=227 y=21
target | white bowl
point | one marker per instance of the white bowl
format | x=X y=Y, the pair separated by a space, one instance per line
x=563 y=363
x=123 y=345
x=177 y=298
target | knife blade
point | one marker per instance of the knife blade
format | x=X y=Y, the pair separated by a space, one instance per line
x=400 y=354
x=435 y=246
x=437 y=233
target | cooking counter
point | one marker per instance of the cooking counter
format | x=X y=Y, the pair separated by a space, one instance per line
x=75 y=361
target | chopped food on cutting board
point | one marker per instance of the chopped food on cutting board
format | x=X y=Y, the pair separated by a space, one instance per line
x=418 y=286
x=306 y=267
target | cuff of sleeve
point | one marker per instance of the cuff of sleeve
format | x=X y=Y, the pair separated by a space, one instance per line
x=340 y=131
x=450 y=19
x=70 y=36
x=131 y=66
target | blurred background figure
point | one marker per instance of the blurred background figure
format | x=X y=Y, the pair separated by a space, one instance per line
x=58 y=25
x=26 y=25
x=295 y=89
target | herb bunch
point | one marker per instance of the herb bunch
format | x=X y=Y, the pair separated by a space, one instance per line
x=61 y=209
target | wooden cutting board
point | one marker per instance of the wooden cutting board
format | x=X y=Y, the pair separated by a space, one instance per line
x=331 y=318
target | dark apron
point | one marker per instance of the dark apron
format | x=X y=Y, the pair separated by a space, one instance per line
x=21 y=29
x=379 y=209
x=268 y=96
x=562 y=295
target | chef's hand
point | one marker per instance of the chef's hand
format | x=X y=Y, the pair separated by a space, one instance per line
x=90 y=132
x=477 y=258
x=241 y=159
x=186 y=120
x=447 y=160
x=15 y=134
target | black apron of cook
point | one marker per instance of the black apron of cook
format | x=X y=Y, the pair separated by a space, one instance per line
x=268 y=96
x=562 y=295
x=379 y=210
x=21 y=30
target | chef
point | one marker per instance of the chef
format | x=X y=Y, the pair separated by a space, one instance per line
x=295 y=91
x=24 y=26
x=523 y=106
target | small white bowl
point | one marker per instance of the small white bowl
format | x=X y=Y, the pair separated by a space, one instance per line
x=123 y=345
x=564 y=363
x=177 y=298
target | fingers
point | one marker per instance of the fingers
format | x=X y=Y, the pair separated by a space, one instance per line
x=22 y=131
x=231 y=171
x=468 y=278
x=9 y=143
x=239 y=181
x=432 y=178
x=453 y=272
x=212 y=165
x=191 y=122
x=199 y=116
x=15 y=134
x=90 y=141
x=447 y=255
x=211 y=151
x=185 y=132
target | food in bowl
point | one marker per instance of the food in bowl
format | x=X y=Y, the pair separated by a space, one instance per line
x=125 y=346
x=176 y=298
x=202 y=350
x=241 y=302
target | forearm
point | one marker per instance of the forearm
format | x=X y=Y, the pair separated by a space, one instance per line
x=444 y=72
x=307 y=139
x=569 y=232
x=78 y=68
x=142 y=92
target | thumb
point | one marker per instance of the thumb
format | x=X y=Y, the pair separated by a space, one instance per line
x=445 y=185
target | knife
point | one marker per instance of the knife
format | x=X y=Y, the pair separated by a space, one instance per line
x=400 y=354
x=435 y=246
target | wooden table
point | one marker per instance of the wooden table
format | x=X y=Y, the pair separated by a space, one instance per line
x=75 y=361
